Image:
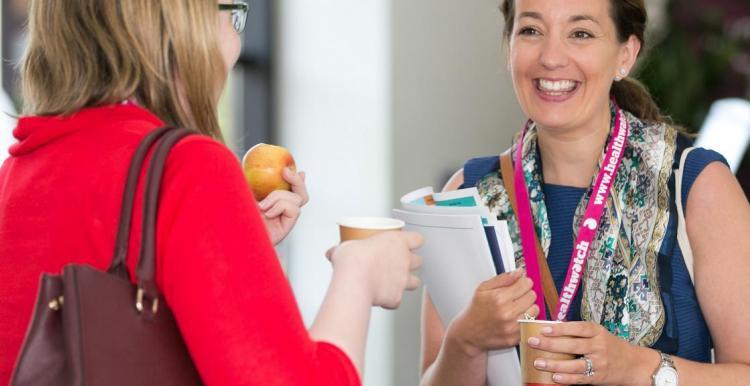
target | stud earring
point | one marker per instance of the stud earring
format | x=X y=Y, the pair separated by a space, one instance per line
x=622 y=75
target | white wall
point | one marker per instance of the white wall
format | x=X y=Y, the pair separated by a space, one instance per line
x=375 y=98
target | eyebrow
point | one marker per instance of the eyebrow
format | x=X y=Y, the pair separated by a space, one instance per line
x=577 y=18
x=533 y=15
x=573 y=19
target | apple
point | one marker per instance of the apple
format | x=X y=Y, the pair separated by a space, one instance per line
x=264 y=167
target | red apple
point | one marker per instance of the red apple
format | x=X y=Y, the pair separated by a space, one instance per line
x=264 y=167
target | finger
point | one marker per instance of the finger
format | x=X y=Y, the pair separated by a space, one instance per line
x=564 y=345
x=523 y=303
x=573 y=379
x=330 y=252
x=572 y=366
x=297 y=181
x=574 y=329
x=413 y=240
x=413 y=283
x=533 y=311
x=502 y=280
x=279 y=195
x=522 y=287
x=416 y=262
x=285 y=209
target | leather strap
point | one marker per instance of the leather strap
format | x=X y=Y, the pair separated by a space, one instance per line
x=118 y=266
x=146 y=268
x=551 y=296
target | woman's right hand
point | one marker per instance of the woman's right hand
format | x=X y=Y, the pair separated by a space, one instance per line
x=383 y=262
x=490 y=322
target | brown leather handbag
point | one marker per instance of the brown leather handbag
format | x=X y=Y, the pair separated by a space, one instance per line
x=92 y=327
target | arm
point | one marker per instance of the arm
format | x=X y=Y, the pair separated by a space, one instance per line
x=718 y=222
x=345 y=313
x=446 y=360
x=219 y=274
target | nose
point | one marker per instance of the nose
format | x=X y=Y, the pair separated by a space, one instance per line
x=553 y=54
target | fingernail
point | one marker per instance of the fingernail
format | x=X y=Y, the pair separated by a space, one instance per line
x=547 y=330
x=557 y=378
x=262 y=205
x=540 y=363
x=533 y=341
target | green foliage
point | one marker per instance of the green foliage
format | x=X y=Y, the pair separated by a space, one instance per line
x=692 y=66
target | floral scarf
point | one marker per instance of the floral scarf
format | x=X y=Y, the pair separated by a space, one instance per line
x=620 y=286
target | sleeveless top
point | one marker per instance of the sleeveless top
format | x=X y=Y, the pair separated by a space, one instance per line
x=685 y=332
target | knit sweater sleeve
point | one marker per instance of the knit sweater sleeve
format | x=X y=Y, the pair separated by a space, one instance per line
x=220 y=276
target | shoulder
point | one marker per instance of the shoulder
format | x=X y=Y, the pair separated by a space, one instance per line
x=201 y=153
x=199 y=164
x=477 y=168
x=700 y=162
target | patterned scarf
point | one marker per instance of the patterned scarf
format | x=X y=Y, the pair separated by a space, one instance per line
x=620 y=285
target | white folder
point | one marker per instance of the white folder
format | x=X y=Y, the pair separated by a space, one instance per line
x=457 y=259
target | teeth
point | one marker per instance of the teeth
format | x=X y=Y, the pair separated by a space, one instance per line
x=556 y=86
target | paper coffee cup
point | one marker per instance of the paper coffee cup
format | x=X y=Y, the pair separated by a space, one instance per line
x=358 y=228
x=530 y=375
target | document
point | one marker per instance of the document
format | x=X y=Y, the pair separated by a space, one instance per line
x=464 y=246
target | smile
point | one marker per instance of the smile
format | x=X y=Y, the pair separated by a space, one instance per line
x=556 y=88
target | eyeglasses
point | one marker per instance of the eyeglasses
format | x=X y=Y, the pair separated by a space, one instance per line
x=239 y=11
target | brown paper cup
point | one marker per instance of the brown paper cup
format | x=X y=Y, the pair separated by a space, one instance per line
x=530 y=375
x=358 y=228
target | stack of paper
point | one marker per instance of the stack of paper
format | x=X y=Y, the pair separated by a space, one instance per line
x=464 y=246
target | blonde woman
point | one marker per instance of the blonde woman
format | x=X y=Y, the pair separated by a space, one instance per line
x=98 y=75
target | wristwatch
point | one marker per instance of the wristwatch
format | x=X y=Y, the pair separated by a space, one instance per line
x=666 y=373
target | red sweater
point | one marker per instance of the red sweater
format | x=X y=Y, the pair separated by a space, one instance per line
x=60 y=196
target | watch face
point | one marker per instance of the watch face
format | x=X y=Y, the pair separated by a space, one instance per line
x=666 y=377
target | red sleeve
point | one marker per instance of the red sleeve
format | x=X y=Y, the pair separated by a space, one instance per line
x=220 y=275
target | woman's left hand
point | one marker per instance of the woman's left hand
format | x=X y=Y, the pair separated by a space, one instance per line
x=281 y=208
x=612 y=358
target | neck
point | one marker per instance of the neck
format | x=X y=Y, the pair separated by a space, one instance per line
x=570 y=157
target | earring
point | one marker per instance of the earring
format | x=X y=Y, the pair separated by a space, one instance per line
x=622 y=75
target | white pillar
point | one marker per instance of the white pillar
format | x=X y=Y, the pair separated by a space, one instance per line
x=334 y=115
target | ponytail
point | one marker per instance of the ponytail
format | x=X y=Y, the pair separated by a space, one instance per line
x=633 y=96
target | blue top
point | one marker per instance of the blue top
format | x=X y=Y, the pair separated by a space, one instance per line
x=685 y=331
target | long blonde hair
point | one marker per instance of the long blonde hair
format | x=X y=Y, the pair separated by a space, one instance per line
x=163 y=53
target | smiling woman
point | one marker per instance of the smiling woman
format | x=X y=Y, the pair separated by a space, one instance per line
x=594 y=181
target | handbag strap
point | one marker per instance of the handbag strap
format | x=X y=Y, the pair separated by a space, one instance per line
x=145 y=271
x=551 y=296
x=118 y=265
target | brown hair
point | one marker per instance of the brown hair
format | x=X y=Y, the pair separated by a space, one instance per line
x=165 y=54
x=630 y=19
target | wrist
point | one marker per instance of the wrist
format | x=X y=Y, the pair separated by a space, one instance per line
x=354 y=280
x=458 y=340
x=644 y=362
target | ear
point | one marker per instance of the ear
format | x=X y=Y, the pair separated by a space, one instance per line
x=629 y=54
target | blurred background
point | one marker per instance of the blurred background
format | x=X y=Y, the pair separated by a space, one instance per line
x=379 y=97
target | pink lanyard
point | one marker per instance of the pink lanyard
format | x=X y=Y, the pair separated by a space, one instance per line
x=589 y=225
